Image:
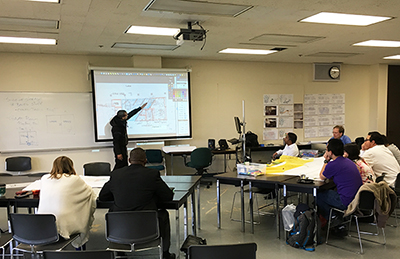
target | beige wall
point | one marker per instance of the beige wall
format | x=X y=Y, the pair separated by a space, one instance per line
x=218 y=88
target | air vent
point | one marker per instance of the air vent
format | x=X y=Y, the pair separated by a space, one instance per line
x=333 y=54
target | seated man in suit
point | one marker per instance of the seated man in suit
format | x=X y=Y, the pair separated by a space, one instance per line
x=290 y=149
x=137 y=187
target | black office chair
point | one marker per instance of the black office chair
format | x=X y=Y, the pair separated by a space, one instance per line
x=233 y=251
x=18 y=164
x=380 y=178
x=132 y=231
x=155 y=159
x=97 y=169
x=78 y=255
x=366 y=210
x=36 y=233
x=5 y=240
x=200 y=159
x=397 y=191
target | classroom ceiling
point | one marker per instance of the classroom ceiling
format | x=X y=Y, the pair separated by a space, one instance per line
x=92 y=27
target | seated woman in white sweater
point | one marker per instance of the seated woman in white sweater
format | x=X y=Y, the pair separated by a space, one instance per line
x=64 y=194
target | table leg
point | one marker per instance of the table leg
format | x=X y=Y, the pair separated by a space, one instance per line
x=177 y=230
x=224 y=163
x=172 y=164
x=277 y=211
x=193 y=207
x=284 y=204
x=185 y=221
x=218 y=204
x=251 y=208
x=284 y=196
x=198 y=206
x=316 y=237
x=242 y=205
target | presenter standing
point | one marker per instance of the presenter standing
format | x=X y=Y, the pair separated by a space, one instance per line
x=120 y=136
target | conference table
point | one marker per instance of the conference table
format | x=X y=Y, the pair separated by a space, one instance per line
x=184 y=187
x=287 y=181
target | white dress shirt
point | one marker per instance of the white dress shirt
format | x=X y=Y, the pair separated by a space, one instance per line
x=289 y=150
x=381 y=159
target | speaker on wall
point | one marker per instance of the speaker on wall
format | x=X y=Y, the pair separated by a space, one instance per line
x=327 y=72
x=211 y=144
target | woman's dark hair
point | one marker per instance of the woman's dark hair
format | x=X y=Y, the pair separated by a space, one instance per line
x=353 y=151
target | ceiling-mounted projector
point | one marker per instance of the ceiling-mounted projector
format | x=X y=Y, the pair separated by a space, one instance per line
x=190 y=34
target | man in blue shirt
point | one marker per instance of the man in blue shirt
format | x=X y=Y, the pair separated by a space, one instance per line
x=338 y=133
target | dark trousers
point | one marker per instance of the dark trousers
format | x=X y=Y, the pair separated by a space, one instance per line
x=165 y=228
x=328 y=199
x=123 y=162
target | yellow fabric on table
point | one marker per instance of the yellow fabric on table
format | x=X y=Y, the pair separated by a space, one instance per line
x=285 y=163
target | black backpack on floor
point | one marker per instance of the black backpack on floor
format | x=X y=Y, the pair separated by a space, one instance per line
x=303 y=231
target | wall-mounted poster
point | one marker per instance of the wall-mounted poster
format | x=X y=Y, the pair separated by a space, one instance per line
x=286 y=99
x=285 y=122
x=285 y=110
x=321 y=113
x=271 y=99
x=270 y=134
x=270 y=110
x=270 y=122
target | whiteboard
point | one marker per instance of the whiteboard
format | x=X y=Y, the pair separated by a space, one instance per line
x=46 y=121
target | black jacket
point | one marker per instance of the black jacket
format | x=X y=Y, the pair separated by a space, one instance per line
x=136 y=187
x=118 y=130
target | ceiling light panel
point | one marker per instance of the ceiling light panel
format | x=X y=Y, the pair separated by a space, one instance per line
x=146 y=30
x=345 y=19
x=283 y=39
x=28 y=23
x=21 y=40
x=46 y=1
x=247 y=51
x=197 y=7
x=379 y=43
x=144 y=46
x=392 y=57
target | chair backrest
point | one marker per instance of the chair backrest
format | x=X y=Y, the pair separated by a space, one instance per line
x=201 y=157
x=132 y=227
x=155 y=159
x=154 y=156
x=78 y=254
x=366 y=202
x=380 y=178
x=18 y=163
x=97 y=169
x=34 y=229
x=397 y=184
x=234 y=251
